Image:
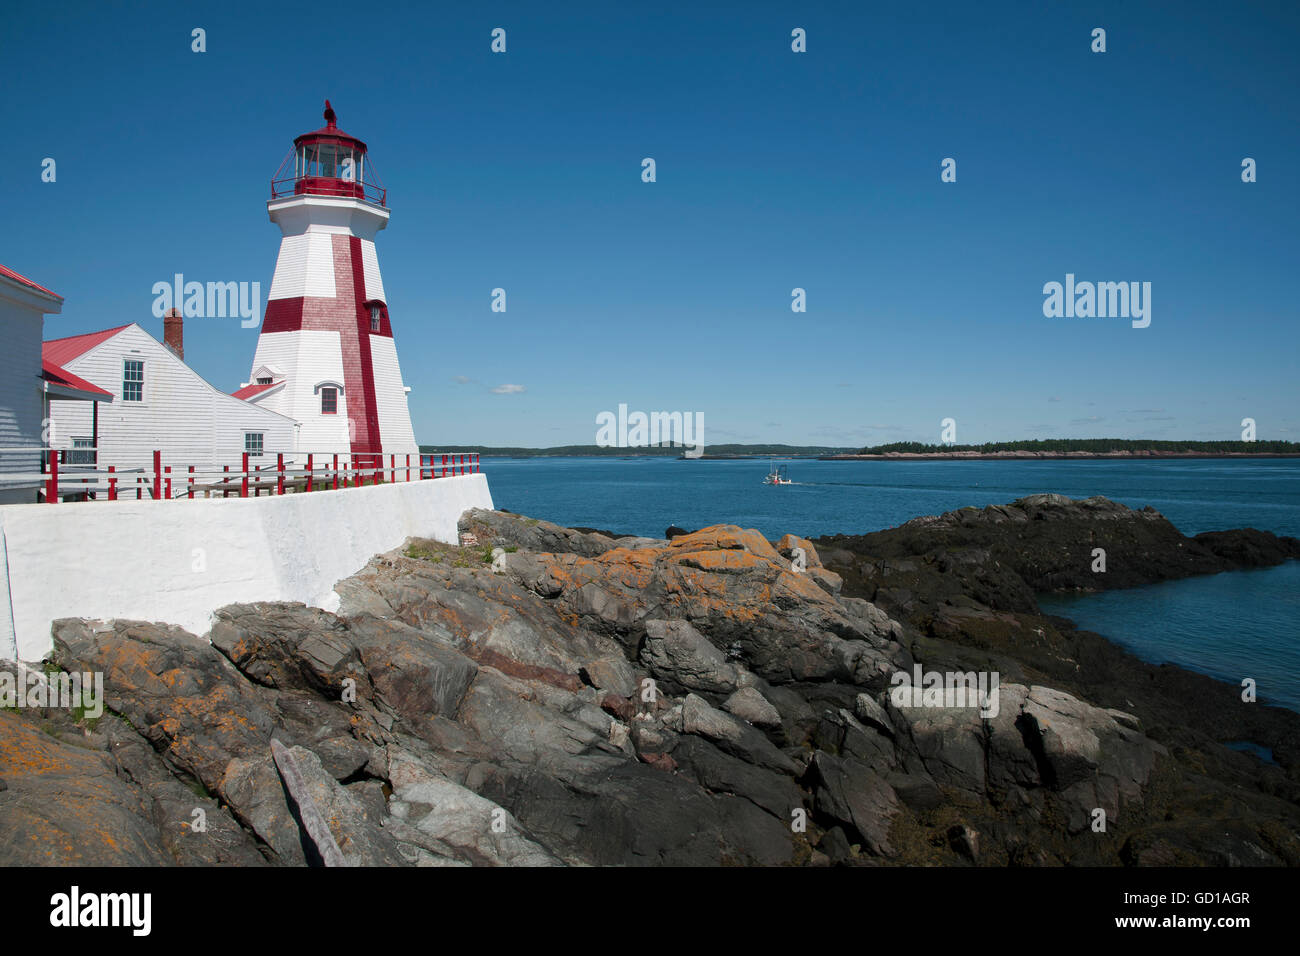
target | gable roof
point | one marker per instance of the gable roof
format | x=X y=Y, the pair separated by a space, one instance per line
x=23 y=280
x=62 y=351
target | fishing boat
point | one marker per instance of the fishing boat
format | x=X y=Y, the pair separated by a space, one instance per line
x=777 y=476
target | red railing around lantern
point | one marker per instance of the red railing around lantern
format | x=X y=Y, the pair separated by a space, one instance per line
x=291 y=180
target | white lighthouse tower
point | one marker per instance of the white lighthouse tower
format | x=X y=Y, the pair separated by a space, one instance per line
x=326 y=356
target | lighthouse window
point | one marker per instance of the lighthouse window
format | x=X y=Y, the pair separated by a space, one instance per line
x=327 y=161
x=132 y=380
x=329 y=401
x=374 y=318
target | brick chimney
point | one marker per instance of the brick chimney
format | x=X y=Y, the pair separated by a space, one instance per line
x=174 y=332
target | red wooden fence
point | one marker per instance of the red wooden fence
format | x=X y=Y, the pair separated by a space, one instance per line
x=356 y=470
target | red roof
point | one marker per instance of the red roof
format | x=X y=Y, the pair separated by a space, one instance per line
x=248 y=391
x=61 y=376
x=62 y=351
x=9 y=273
x=329 y=131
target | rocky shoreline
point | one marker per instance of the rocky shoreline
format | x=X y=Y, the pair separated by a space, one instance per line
x=541 y=695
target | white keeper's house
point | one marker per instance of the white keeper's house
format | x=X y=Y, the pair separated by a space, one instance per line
x=28 y=383
x=158 y=403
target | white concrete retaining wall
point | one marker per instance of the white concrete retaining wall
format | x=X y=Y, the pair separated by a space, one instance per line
x=178 y=561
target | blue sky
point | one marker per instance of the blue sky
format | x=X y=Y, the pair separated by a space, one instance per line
x=775 y=170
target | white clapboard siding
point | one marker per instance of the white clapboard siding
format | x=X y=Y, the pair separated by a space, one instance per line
x=21 y=402
x=370 y=271
x=390 y=398
x=190 y=421
x=305 y=267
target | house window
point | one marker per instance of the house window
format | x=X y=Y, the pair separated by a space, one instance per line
x=374 y=318
x=329 y=401
x=133 y=380
x=83 y=452
x=253 y=443
x=265 y=380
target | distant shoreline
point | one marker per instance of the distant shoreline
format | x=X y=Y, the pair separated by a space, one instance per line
x=922 y=456
x=899 y=452
x=1050 y=455
x=915 y=456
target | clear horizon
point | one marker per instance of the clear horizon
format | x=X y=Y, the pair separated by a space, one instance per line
x=775 y=170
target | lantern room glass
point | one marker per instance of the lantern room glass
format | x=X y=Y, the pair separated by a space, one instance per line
x=329 y=161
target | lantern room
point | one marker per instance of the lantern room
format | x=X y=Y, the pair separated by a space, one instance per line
x=328 y=162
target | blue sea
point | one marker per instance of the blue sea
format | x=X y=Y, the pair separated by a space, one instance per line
x=1231 y=626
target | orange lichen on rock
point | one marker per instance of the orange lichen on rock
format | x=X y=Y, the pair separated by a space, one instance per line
x=801 y=587
x=65 y=805
x=789 y=542
x=25 y=750
x=727 y=562
x=726 y=537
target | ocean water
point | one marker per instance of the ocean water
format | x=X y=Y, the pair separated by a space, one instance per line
x=1231 y=626
x=646 y=495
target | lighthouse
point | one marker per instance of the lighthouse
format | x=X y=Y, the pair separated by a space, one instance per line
x=326 y=355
